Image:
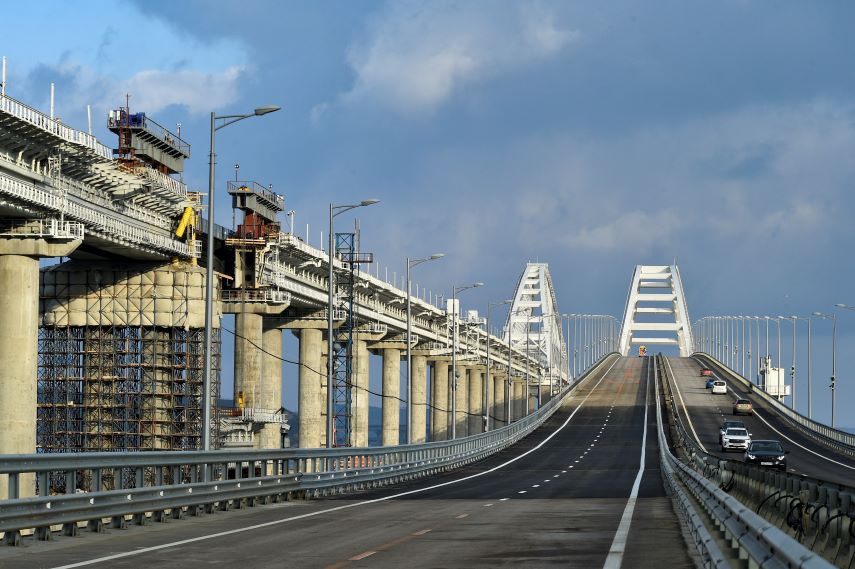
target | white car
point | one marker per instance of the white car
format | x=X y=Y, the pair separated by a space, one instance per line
x=735 y=438
x=719 y=386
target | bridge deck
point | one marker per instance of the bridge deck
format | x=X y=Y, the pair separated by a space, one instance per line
x=708 y=411
x=555 y=498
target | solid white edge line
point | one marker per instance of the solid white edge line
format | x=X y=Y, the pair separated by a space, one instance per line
x=685 y=409
x=339 y=508
x=615 y=557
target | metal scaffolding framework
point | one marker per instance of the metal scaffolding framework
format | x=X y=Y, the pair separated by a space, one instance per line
x=120 y=388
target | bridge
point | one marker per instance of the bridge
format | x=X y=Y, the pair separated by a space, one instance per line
x=549 y=443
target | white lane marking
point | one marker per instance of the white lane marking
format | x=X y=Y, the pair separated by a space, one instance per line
x=503 y=499
x=685 y=409
x=362 y=556
x=487 y=505
x=535 y=485
x=615 y=556
x=420 y=532
x=345 y=506
x=759 y=416
x=461 y=516
x=564 y=471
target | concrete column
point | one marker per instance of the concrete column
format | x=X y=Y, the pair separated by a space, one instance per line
x=391 y=392
x=439 y=389
x=269 y=394
x=499 y=400
x=360 y=395
x=19 y=312
x=419 y=402
x=476 y=401
x=518 y=402
x=312 y=410
x=462 y=401
x=247 y=364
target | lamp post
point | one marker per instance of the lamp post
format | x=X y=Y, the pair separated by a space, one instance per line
x=833 y=317
x=455 y=290
x=410 y=264
x=209 y=270
x=488 y=379
x=335 y=210
x=793 y=362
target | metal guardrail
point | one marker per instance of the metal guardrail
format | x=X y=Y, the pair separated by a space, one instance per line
x=758 y=542
x=839 y=440
x=38 y=119
x=255 y=295
x=41 y=228
x=115 y=485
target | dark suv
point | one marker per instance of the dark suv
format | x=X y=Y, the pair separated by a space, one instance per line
x=767 y=453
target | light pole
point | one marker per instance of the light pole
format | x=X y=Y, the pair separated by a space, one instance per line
x=488 y=379
x=833 y=360
x=793 y=363
x=335 y=210
x=455 y=290
x=209 y=269
x=410 y=264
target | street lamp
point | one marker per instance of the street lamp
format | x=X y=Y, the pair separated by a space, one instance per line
x=793 y=364
x=455 y=290
x=410 y=264
x=833 y=317
x=209 y=270
x=334 y=211
x=487 y=381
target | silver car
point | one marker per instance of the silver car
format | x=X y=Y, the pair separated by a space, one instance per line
x=735 y=438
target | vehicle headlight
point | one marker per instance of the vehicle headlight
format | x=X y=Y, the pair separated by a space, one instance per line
x=751 y=456
x=782 y=457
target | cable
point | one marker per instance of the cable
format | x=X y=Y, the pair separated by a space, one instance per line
x=350 y=384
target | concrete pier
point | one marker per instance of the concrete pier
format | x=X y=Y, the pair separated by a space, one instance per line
x=311 y=408
x=439 y=396
x=419 y=402
x=476 y=400
x=19 y=321
x=498 y=400
x=519 y=400
x=462 y=402
x=269 y=394
x=391 y=392
x=247 y=360
x=359 y=394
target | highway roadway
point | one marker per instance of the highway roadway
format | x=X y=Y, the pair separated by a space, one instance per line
x=584 y=490
x=707 y=411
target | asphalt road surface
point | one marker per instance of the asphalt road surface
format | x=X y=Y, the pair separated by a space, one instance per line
x=561 y=497
x=708 y=411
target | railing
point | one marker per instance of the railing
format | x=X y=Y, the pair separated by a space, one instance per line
x=816 y=512
x=42 y=228
x=255 y=295
x=44 y=122
x=115 y=485
x=254 y=414
x=178 y=189
x=839 y=440
x=95 y=221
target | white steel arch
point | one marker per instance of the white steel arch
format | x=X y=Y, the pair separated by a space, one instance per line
x=534 y=323
x=656 y=291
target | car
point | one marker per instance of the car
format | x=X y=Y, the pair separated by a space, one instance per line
x=729 y=425
x=743 y=407
x=706 y=372
x=710 y=382
x=768 y=453
x=735 y=438
x=719 y=386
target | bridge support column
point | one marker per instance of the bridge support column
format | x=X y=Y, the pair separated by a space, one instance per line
x=311 y=406
x=270 y=386
x=19 y=322
x=439 y=395
x=462 y=402
x=476 y=401
x=520 y=400
x=247 y=363
x=391 y=391
x=498 y=400
x=419 y=402
x=360 y=395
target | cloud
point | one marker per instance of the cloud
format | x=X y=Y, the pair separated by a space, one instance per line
x=632 y=229
x=197 y=91
x=417 y=55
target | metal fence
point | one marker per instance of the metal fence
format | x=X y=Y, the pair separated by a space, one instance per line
x=115 y=485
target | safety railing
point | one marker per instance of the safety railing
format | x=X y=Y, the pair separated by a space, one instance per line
x=267 y=295
x=44 y=122
x=751 y=536
x=41 y=228
x=91 y=487
x=839 y=440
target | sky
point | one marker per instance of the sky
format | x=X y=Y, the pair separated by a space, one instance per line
x=593 y=136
